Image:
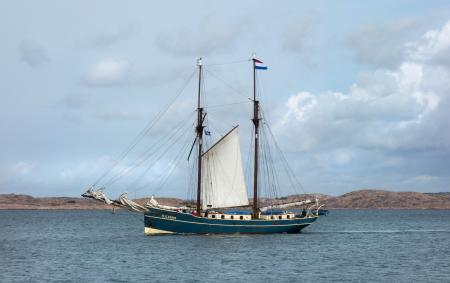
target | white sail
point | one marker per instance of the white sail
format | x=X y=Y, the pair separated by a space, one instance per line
x=223 y=183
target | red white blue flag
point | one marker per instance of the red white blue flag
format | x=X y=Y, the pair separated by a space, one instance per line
x=259 y=65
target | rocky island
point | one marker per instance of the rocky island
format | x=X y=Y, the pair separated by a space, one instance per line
x=361 y=199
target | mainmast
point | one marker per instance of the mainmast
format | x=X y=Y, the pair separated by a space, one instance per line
x=256 y=151
x=199 y=130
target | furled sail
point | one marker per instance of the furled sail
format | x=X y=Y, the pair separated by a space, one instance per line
x=97 y=195
x=129 y=204
x=286 y=205
x=223 y=183
x=152 y=202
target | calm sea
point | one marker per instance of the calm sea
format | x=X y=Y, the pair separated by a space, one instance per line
x=346 y=245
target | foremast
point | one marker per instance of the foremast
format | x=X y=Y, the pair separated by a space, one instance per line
x=199 y=130
x=255 y=120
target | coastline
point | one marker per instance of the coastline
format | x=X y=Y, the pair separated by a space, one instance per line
x=361 y=199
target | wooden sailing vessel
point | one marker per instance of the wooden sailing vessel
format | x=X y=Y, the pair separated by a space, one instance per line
x=220 y=187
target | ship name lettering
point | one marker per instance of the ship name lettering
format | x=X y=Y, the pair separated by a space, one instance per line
x=168 y=216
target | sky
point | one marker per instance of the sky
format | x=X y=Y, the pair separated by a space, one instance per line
x=357 y=94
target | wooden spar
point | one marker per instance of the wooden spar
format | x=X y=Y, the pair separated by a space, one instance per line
x=256 y=123
x=199 y=130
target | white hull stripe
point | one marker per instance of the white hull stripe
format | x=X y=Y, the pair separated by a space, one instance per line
x=231 y=225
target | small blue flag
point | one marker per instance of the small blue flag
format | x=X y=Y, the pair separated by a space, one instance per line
x=208 y=133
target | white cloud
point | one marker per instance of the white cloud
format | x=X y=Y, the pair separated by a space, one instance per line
x=383 y=45
x=425 y=178
x=297 y=33
x=16 y=173
x=401 y=109
x=75 y=101
x=22 y=168
x=116 y=115
x=33 y=53
x=108 y=72
x=87 y=171
x=108 y=38
x=209 y=37
x=434 y=48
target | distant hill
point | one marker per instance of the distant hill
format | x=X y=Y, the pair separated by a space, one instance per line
x=13 y=201
x=357 y=199
x=387 y=199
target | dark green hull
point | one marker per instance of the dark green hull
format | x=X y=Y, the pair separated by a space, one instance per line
x=160 y=221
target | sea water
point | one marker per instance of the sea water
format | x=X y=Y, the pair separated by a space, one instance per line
x=346 y=245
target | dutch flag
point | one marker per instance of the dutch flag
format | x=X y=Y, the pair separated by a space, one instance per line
x=259 y=65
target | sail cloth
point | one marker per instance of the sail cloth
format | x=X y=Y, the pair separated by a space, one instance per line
x=97 y=195
x=223 y=183
x=154 y=203
x=286 y=205
x=129 y=204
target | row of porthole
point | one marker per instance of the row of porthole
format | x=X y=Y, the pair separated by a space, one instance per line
x=242 y=217
x=280 y=217
x=223 y=216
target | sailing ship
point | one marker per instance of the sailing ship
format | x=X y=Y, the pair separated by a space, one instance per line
x=222 y=205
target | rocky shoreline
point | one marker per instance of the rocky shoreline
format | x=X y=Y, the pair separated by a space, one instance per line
x=362 y=199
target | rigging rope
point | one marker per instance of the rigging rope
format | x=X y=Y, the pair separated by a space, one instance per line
x=227 y=104
x=228 y=63
x=162 y=142
x=183 y=149
x=227 y=84
x=285 y=163
x=140 y=160
x=146 y=129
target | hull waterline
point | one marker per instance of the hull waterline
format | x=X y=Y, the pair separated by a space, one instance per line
x=161 y=221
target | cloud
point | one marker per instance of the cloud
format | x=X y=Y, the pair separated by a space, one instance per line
x=434 y=48
x=391 y=130
x=296 y=36
x=16 y=173
x=425 y=178
x=32 y=53
x=117 y=115
x=87 y=170
x=383 y=45
x=22 y=168
x=108 y=72
x=210 y=36
x=75 y=101
x=108 y=38
x=393 y=110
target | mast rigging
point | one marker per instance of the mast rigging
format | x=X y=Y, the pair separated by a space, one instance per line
x=256 y=124
x=199 y=130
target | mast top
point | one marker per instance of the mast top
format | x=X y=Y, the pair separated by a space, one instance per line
x=199 y=62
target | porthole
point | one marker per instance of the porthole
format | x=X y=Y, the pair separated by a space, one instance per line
x=213 y=216
x=242 y=217
x=232 y=217
x=288 y=216
x=222 y=216
x=271 y=217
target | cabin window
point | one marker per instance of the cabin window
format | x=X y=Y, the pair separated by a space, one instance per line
x=213 y=216
x=242 y=217
x=280 y=217
x=271 y=217
x=222 y=216
x=288 y=216
x=232 y=217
